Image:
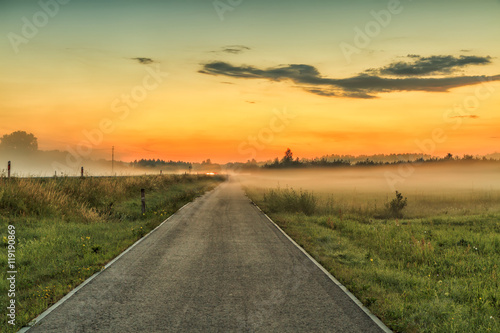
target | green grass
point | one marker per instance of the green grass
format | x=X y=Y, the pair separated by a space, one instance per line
x=69 y=228
x=435 y=270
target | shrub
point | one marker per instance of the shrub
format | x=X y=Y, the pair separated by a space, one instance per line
x=396 y=206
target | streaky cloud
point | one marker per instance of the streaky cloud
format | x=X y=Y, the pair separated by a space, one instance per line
x=362 y=85
x=433 y=65
x=472 y=116
x=232 y=49
x=143 y=61
x=235 y=49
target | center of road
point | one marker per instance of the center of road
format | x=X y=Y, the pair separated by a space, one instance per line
x=218 y=265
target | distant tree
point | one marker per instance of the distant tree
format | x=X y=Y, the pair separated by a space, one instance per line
x=288 y=158
x=19 y=141
x=449 y=156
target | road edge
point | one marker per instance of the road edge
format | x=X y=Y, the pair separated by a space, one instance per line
x=375 y=319
x=81 y=285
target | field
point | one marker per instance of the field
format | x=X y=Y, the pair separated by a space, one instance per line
x=433 y=269
x=67 y=229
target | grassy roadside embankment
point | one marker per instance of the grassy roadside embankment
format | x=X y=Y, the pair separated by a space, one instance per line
x=67 y=229
x=436 y=270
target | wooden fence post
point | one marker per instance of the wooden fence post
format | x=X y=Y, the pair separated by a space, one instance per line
x=143 y=200
x=8 y=169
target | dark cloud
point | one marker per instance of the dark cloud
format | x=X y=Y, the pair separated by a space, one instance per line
x=143 y=61
x=360 y=86
x=321 y=92
x=434 y=65
x=235 y=49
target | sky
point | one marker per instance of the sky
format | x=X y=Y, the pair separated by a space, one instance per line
x=233 y=80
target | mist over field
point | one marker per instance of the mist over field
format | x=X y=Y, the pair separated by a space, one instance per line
x=468 y=176
x=453 y=189
x=50 y=163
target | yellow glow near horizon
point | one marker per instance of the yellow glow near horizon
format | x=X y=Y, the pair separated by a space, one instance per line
x=72 y=76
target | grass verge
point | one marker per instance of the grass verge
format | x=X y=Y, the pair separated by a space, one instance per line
x=436 y=273
x=66 y=229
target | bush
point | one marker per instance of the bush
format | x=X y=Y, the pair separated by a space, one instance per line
x=288 y=200
x=396 y=206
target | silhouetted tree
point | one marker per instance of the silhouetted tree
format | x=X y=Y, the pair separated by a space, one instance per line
x=19 y=141
x=288 y=158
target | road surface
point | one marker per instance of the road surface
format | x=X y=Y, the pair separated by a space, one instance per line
x=218 y=265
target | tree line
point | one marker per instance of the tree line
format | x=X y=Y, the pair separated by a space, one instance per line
x=287 y=161
x=26 y=143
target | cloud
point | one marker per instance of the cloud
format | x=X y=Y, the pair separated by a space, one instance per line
x=360 y=86
x=472 y=116
x=234 y=49
x=433 y=65
x=143 y=61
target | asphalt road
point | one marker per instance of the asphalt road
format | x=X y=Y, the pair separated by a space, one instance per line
x=218 y=265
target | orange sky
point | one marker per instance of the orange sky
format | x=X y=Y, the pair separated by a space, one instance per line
x=136 y=69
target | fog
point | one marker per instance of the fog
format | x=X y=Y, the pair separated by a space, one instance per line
x=57 y=163
x=427 y=177
x=48 y=164
x=475 y=175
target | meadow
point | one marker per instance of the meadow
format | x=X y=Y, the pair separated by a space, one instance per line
x=433 y=268
x=67 y=229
